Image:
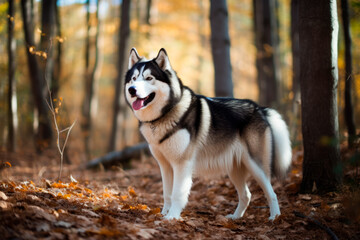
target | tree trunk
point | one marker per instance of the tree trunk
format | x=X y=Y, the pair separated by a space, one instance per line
x=43 y=134
x=265 y=41
x=296 y=68
x=47 y=35
x=55 y=84
x=12 y=99
x=119 y=82
x=318 y=31
x=91 y=78
x=348 y=111
x=148 y=12
x=220 y=48
x=201 y=23
x=120 y=157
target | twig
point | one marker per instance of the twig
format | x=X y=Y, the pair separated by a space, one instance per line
x=318 y=223
x=50 y=104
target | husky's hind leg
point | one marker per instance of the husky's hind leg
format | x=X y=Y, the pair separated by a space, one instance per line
x=263 y=180
x=238 y=176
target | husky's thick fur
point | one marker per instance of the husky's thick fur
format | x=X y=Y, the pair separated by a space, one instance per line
x=191 y=134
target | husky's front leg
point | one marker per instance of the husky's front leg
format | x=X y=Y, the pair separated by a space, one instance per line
x=167 y=178
x=181 y=188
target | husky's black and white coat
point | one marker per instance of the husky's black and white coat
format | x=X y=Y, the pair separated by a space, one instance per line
x=191 y=134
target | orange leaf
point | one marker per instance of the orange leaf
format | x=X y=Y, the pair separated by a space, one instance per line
x=154 y=211
x=132 y=192
x=58 y=185
x=124 y=197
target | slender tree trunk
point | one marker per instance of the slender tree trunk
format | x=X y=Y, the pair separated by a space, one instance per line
x=318 y=31
x=265 y=41
x=12 y=99
x=91 y=78
x=86 y=121
x=201 y=22
x=96 y=71
x=119 y=82
x=220 y=48
x=348 y=111
x=48 y=31
x=44 y=132
x=55 y=84
x=296 y=67
x=148 y=12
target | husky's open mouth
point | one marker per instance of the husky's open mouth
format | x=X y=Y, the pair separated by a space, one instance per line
x=142 y=102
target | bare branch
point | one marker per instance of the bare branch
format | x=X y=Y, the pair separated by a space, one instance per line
x=50 y=104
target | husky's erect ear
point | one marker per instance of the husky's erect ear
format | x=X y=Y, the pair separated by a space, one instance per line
x=134 y=57
x=162 y=60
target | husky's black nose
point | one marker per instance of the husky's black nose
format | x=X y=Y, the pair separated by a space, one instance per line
x=132 y=91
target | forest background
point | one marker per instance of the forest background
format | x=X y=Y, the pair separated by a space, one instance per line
x=183 y=29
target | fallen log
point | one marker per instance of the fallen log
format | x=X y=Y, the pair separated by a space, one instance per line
x=119 y=157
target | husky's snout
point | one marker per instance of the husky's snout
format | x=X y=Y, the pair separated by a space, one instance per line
x=132 y=91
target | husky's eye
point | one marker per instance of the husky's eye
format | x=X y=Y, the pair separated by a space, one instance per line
x=149 y=78
x=134 y=78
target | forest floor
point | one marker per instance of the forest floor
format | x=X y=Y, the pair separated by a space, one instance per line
x=125 y=204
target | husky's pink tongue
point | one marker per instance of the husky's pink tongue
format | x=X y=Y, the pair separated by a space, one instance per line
x=139 y=103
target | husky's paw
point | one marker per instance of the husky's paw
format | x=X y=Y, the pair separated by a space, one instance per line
x=232 y=216
x=165 y=209
x=273 y=217
x=172 y=217
x=173 y=214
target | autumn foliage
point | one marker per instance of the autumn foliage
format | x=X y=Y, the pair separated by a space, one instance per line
x=126 y=204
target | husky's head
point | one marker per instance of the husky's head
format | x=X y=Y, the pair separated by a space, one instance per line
x=151 y=86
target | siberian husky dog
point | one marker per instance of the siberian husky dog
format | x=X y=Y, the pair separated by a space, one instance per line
x=191 y=134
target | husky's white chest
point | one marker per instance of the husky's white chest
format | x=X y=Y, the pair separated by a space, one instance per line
x=174 y=147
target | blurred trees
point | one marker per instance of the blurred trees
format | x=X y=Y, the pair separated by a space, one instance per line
x=124 y=34
x=265 y=30
x=43 y=135
x=318 y=35
x=348 y=111
x=189 y=37
x=294 y=27
x=220 y=48
x=91 y=76
x=12 y=99
x=48 y=15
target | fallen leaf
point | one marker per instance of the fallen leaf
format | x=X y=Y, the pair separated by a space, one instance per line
x=132 y=192
x=41 y=213
x=62 y=224
x=43 y=227
x=91 y=213
x=72 y=179
x=305 y=197
x=263 y=237
x=3 y=196
x=4 y=205
x=146 y=233
x=154 y=211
